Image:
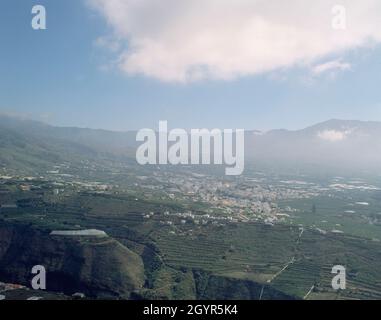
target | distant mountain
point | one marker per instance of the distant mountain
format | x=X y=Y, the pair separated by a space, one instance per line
x=97 y=140
x=334 y=144
x=22 y=151
x=27 y=144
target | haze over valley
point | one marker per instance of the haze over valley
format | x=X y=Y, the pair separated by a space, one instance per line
x=176 y=232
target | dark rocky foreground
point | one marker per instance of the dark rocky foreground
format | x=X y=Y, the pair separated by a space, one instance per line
x=99 y=267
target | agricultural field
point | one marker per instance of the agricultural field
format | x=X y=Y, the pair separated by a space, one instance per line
x=188 y=247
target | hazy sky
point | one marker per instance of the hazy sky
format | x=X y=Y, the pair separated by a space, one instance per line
x=126 y=64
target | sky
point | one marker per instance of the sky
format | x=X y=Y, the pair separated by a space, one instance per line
x=251 y=64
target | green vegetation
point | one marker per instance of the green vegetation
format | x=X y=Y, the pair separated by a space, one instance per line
x=179 y=233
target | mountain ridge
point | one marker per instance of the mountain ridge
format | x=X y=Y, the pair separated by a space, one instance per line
x=334 y=143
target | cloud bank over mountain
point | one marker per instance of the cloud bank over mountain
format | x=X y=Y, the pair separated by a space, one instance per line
x=333 y=135
x=185 y=41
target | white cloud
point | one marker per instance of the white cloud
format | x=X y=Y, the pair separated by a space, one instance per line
x=331 y=67
x=181 y=41
x=333 y=135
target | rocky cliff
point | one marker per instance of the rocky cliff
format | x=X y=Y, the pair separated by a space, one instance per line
x=97 y=266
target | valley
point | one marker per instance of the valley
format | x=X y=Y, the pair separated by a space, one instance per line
x=108 y=228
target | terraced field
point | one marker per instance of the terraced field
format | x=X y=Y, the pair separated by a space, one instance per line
x=183 y=259
x=294 y=262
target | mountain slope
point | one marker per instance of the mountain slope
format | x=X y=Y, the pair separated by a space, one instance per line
x=32 y=146
x=334 y=144
x=351 y=145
